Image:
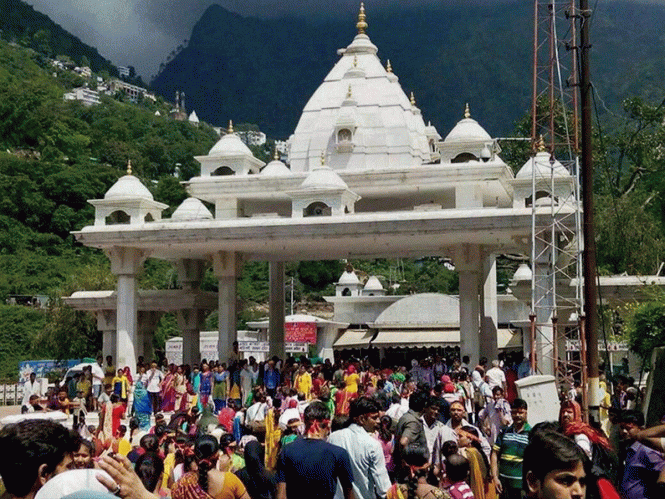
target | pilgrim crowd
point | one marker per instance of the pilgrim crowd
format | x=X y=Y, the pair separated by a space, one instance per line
x=438 y=428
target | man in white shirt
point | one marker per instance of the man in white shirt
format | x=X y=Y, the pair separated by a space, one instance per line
x=154 y=379
x=496 y=376
x=256 y=413
x=31 y=387
x=370 y=476
x=436 y=433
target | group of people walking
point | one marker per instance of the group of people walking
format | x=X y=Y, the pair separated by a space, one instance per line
x=439 y=429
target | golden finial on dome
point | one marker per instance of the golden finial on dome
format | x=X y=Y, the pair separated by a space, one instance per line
x=230 y=129
x=349 y=93
x=362 y=23
x=467 y=113
x=323 y=158
x=389 y=67
x=129 y=167
x=276 y=155
x=540 y=144
x=413 y=99
x=355 y=61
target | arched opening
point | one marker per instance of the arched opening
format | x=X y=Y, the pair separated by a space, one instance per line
x=346 y=292
x=344 y=135
x=118 y=218
x=545 y=196
x=317 y=209
x=464 y=157
x=221 y=171
x=148 y=218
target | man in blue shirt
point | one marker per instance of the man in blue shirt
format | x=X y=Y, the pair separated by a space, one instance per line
x=642 y=465
x=310 y=466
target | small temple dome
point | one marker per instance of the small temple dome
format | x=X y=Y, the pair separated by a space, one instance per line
x=128 y=187
x=543 y=167
x=373 y=284
x=191 y=209
x=523 y=273
x=276 y=168
x=230 y=145
x=348 y=278
x=193 y=118
x=467 y=130
x=323 y=177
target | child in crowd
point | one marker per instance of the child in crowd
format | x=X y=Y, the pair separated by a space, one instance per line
x=457 y=470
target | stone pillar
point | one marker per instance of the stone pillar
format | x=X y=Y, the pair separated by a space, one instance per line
x=489 y=310
x=148 y=321
x=190 y=322
x=468 y=264
x=125 y=263
x=226 y=266
x=277 y=314
x=107 y=325
x=326 y=337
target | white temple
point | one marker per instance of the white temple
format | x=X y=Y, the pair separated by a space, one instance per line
x=366 y=178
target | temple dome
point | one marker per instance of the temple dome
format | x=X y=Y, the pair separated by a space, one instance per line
x=128 y=187
x=544 y=168
x=377 y=129
x=523 y=273
x=373 y=284
x=230 y=145
x=323 y=177
x=191 y=209
x=276 y=168
x=348 y=278
x=467 y=130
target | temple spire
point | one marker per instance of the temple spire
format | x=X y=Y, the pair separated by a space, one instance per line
x=389 y=67
x=129 y=167
x=362 y=23
x=230 y=129
x=467 y=113
x=413 y=99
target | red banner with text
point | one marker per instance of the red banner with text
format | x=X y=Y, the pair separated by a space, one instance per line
x=300 y=332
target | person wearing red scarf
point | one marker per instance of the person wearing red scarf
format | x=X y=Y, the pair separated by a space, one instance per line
x=570 y=419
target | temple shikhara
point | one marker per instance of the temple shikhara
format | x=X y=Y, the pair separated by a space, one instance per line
x=365 y=177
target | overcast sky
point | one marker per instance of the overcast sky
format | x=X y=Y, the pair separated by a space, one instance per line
x=143 y=32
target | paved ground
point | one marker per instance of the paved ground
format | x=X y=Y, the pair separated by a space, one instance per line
x=8 y=410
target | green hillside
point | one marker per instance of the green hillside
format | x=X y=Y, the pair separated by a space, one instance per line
x=21 y=24
x=54 y=156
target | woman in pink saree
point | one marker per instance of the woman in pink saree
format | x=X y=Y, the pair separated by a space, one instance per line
x=168 y=390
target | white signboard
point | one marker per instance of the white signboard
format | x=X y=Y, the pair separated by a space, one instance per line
x=612 y=346
x=174 y=351
x=540 y=394
x=264 y=347
x=209 y=351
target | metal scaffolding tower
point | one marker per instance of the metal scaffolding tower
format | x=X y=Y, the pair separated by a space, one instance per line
x=557 y=340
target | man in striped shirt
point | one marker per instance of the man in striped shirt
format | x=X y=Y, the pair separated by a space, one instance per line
x=508 y=451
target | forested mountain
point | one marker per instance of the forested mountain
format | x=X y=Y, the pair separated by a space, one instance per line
x=22 y=24
x=264 y=70
x=54 y=156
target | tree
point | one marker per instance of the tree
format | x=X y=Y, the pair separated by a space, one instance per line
x=645 y=328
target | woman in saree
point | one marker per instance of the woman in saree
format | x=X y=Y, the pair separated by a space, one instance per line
x=168 y=390
x=180 y=387
x=416 y=461
x=142 y=407
x=480 y=473
x=219 y=388
x=207 y=482
x=207 y=383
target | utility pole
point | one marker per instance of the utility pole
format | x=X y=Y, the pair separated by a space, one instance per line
x=589 y=255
